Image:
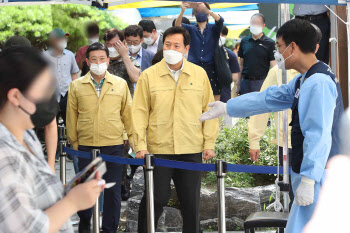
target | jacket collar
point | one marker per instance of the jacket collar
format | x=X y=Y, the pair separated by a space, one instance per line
x=164 y=70
x=109 y=78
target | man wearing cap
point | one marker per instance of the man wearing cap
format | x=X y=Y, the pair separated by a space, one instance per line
x=64 y=66
x=44 y=116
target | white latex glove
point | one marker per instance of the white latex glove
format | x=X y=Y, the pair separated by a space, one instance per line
x=218 y=109
x=305 y=192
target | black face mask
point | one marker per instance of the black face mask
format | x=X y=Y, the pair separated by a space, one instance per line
x=45 y=112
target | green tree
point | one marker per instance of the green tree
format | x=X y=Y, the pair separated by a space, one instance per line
x=73 y=19
x=35 y=22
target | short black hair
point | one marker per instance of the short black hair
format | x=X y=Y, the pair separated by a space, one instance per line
x=92 y=29
x=111 y=33
x=301 y=32
x=224 y=31
x=157 y=57
x=184 y=21
x=19 y=67
x=319 y=33
x=147 y=25
x=97 y=46
x=260 y=15
x=133 y=30
x=178 y=30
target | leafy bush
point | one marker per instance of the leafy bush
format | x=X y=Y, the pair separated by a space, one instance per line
x=35 y=22
x=232 y=146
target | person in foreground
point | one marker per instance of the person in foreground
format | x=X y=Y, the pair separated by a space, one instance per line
x=312 y=95
x=31 y=196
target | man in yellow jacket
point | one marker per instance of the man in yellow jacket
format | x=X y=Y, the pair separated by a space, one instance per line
x=257 y=124
x=99 y=106
x=168 y=101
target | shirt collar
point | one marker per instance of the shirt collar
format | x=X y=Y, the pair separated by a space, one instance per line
x=101 y=82
x=262 y=38
x=7 y=137
x=53 y=54
x=173 y=72
x=164 y=70
x=157 y=41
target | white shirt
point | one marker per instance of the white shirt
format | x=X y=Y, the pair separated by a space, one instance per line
x=176 y=73
x=154 y=48
x=305 y=9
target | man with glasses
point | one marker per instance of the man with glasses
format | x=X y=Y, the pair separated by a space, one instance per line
x=134 y=40
x=99 y=108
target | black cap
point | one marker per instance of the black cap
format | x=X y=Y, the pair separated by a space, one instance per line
x=17 y=41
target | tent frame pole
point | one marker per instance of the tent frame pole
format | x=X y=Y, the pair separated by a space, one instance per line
x=284 y=16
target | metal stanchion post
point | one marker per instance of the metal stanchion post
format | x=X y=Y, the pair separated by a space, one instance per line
x=221 y=168
x=96 y=212
x=149 y=163
x=63 y=155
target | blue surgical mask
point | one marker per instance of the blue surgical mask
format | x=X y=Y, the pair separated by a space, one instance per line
x=201 y=17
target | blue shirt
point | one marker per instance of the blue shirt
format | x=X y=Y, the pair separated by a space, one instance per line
x=202 y=46
x=317 y=101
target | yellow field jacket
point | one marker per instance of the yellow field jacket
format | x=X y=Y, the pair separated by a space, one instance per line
x=98 y=121
x=257 y=124
x=166 y=114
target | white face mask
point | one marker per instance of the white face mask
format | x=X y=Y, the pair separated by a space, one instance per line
x=92 y=40
x=149 y=40
x=113 y=52
x=98 y=69
x=255 y=30
x=222 y=41
x=62 y=44
x=172 y=57
x=281 y=62
x=134 y=49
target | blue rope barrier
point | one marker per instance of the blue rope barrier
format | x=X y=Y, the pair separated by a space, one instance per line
x=80 y=154
x=180 y=164
x=185 y=165
x=121 y=160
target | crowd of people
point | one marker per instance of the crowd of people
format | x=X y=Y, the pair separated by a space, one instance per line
x=141 y=91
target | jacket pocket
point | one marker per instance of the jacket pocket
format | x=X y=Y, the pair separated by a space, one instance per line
x=158 y=133
x=193 y=133
x=113 y=128
x=84 y=128
x=112 y=103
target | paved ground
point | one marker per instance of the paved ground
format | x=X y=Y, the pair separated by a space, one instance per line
x=75 y=219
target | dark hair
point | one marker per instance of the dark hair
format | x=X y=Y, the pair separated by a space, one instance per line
x=184 y=21
x=19 y=67
x=157 y=57
x=319 y=33
x=301 y=32
x=133 y=30
x=147 y=25
x=205 y=3
x=260 y=15
x=97 y=46
x=111 y=33
x=224 y=31
x=178 y=30
x=92 y=29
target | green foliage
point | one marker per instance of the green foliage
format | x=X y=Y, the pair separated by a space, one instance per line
x=72 y=18
x=232 y=145
x=35 y=22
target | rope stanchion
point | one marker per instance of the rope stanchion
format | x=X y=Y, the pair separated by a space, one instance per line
x=121 y=160
x=221 y=168
x=149 y=162
x=96 y=210
x=79 y=154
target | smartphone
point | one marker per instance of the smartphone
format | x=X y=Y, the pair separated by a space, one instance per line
x=88 y=173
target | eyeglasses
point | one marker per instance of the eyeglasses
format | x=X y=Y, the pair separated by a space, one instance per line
x=277 y=46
